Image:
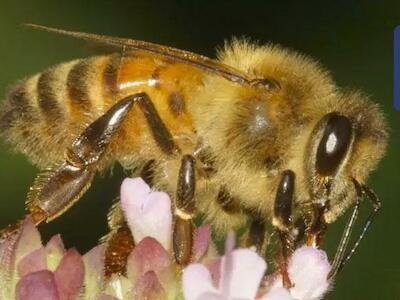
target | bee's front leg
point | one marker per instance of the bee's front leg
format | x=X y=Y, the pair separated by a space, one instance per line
x=184 y=211
x=282 y=221
x=256 y=234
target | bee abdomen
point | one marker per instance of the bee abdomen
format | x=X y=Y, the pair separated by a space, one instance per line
x=43 y=114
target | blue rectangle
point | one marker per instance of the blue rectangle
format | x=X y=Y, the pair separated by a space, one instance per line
x=396 y=77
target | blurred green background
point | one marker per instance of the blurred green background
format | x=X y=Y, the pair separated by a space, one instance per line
x=352 y=40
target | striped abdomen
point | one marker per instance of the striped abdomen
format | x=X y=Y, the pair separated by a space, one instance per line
x=43 y=114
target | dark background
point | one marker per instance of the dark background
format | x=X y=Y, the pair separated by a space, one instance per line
x=354 y=41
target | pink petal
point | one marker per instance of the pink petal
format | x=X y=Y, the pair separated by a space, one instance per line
x=278 y=294
x=148 y=213
x=29 y=240
x=201 y=241
x=54 y=252
x=37 y=286
x=243 y=274
x=7 y=254
x=308 y=269
x=149 y=287
x=94 y=270
x=148 y=255
x=215 y=269
x=13 y=249
x=69 y=275
x=196 y=281
x=32 y=262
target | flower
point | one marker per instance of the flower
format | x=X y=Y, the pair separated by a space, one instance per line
x=242 y=270
x=147 y=212
x=30 y=270
x=150 y=266
x=240 y=276
x=308 y=270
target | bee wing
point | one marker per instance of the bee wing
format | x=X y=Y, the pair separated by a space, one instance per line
x=199 y=61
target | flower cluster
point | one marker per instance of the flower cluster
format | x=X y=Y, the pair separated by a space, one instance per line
x=32 y=271
x=242 y=272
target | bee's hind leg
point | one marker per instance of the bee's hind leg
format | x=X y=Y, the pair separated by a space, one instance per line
x=282 y=221
x=119 y=241
x=56 y=189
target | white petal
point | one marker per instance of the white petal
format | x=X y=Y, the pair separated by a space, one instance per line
x=94 y=277
x=308 y=269
x=134 y=186
x=211 y=296
x=148 y=213
x=245 y=273
x=196 y=281
x=118 y=286
x=54 y=252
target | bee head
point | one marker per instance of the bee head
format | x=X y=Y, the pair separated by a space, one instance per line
x=291 y=116
x=345 y=144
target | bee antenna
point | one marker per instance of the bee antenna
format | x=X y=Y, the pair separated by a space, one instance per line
x=49 y=29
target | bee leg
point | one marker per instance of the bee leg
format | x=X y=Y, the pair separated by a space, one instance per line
x=119 y=241
x=160 y=132
x=256 y=235
x=55 y=190
x=316 y=232
x=299 y=232
x=282 y=221
x=315 y=218
x=342 y=257
x=184 y=211
x=119 y=244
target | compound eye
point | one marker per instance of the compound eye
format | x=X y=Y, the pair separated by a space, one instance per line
x=334 y=144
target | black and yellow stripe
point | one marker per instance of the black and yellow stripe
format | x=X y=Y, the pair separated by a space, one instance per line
x=78 y=87
x=110 y=75
x=48 y=98
x=48 y=109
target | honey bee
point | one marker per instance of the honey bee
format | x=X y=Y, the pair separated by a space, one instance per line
x=262 y=135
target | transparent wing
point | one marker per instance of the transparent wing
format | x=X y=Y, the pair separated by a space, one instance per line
x=196 y=60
